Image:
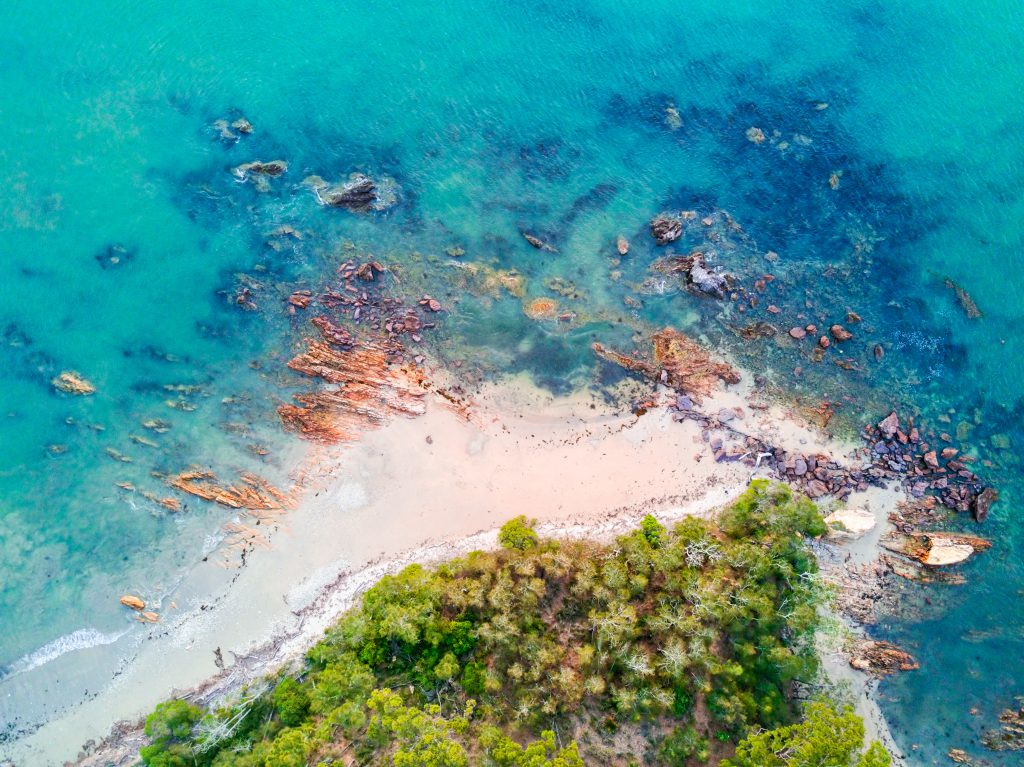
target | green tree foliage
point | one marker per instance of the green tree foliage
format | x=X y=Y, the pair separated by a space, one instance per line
x=827 y=736
x=518 y=534
x=482 y=659
x=169 y=728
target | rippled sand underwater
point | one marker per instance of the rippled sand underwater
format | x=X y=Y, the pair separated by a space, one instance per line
x=890 y=162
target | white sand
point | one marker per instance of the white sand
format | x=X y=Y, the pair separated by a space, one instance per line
x=424 y=490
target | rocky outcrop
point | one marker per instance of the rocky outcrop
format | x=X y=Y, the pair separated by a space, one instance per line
x=935 y=549
x=252 y=492
x=676 y=361
x=273 y=169
x=666 y=228
x=881 y=658
x=360 y=193
x=1009 y=737
x=71 y=382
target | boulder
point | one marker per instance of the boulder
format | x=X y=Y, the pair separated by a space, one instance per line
x=538 y=243
x=666 y=229
x=983 y=502
x=851 y=523
x=840 y=333
x=943 y=553
x=798 y=333
x=708 y=281
x=134 y=602
x=622 y=245
x=889 y=425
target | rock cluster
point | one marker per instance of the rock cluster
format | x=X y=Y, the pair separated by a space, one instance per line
x=926 y=469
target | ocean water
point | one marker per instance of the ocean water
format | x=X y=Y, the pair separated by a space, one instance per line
x=574 y=121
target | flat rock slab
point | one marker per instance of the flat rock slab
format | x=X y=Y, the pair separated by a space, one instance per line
x=851 y=523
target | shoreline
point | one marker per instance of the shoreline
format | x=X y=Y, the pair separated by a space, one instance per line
x=573 y=463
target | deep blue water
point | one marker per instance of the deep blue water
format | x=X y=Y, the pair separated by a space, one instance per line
x=577 y=122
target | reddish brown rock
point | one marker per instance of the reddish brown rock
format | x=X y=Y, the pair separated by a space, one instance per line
x=824 y=343
x=840 y=333
x=798 y=333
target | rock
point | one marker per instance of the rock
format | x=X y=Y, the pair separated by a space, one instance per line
x=666 y=229
x=358 y=193
x=71 y=382
x=798 y=333
x=755 y=135
x=949 y=452
x=983 y=503
x=840 y=333
x=773 y=309
x=931 y=460
x=114 y=255
x=133 y=602
x=943 y=553
x=889 y=425
x=881 y=658
x=455 y=251
x=242 y=126
x=799 y=467
x=851 y=523
x=725 y=415
x=541 y=309
x=538 y=243
x=824 y=343
x=879 y=352
x=707 y=281
x=273 y=168
x=816 y=488
x=622 y=245
x=852 y=316
x=966 y=302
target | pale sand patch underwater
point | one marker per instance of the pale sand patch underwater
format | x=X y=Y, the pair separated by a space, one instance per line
x=425 y=490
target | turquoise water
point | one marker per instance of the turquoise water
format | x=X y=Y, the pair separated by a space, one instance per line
x=576 y=122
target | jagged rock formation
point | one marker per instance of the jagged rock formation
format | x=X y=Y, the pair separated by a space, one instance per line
x=676 y=361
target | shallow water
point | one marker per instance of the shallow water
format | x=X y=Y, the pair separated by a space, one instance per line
x=576 y=123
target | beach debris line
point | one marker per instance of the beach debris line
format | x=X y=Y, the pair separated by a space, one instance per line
x=71 y=382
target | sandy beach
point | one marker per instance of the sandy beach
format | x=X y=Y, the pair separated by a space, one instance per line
x=423 y=490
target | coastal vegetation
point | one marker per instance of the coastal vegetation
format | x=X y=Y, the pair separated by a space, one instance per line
x=670 y=646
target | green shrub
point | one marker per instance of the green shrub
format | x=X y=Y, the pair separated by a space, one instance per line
x=518 y=534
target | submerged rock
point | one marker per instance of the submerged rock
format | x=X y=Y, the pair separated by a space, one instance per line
x=622 y=245
x=707 y=280
x=538 y=243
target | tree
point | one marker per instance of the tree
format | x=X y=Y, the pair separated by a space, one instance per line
x=169 y=727
x=826 y=736
x=518 y=534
